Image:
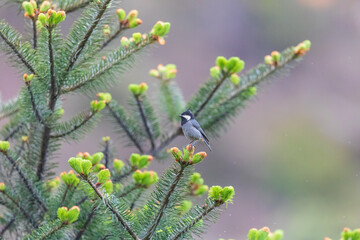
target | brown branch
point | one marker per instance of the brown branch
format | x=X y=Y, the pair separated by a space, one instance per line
x=145 y=121
x=224 y=76
x=46 y=236
x=113 y=210
x=16 y=130
x=82 y=230
x=5 y=115
x=34 y=32
x=22 y=210
x=117 y=179
x=121 y=58
x=25 y=180
x=52 y=102
x=86 y=119
x=75 y=7
x=117 y=33
x=17 y=53
x=128 y=191
x=7 y=226
x=75 y=55
x=196 y=220
x=127 y=131
x=166 y=142
x=32 y=99
x=164 y=204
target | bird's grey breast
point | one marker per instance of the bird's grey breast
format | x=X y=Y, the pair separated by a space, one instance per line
x=190 y=131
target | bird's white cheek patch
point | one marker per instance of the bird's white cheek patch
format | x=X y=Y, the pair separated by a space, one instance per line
x=187 y=117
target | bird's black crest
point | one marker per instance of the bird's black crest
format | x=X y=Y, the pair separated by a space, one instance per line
x=189 y=113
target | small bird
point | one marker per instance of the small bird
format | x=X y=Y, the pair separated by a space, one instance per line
x=192 y=130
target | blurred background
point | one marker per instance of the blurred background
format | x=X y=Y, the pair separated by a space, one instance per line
x=293 y=154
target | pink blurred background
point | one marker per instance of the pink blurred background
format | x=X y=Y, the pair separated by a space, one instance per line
x=293 y=154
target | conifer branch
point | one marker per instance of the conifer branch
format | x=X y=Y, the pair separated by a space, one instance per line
x=64 y=195
x=76 y=127
x=53 y=87
x=117 y=179
x=128 y=191
x=164 y=204
x=102 y=70
x=43 y=151
x=206 y=211
x=75 y=55
x=22 y=210
x=7 y=226
x=145 y=121
x=132 y=205
x=52 y=103
x=8 y=114
x=25 y=180
x=13 y=132
x=34 y=32
x=17 y=53
x=117 y=33
x=211 y=94
x=166 y=142
x=33 y=104
x=81 y=201
x=106 y=154
x=123 y=126
x=52 y=231
x=77 y=6
x=112 y=209
x=88 y=220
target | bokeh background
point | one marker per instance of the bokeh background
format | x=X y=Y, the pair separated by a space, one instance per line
x=293 y=154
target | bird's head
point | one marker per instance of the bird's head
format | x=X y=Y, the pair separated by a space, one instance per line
x=187 y=115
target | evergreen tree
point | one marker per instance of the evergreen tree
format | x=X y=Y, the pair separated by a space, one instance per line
x=104 y=197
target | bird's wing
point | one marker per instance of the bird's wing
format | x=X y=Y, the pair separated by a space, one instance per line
x=197 y=126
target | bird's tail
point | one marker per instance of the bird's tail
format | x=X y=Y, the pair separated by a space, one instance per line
x=208 y=145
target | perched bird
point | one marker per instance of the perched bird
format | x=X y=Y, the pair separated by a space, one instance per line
x=192 y=130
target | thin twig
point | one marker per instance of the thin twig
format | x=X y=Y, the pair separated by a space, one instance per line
x=196 y=220
x=127 y=131
x=34 y=32
x=113 y=210
x=33 y=104
x=17 y=53
x=43 y=151
x=132 y=205
x=117 y=179
x=166 y=142
x=13 y=132
x=82 y=230
x=107 y=67
x=164 y=204
x=86 y=119
x=202 y=106
x=75 y=55
x=7 y=226
x=5 y=115
x=81 y=201
x=65 y=193
x=25 y=180
x=106 y=154
x=145 y=121
x=117 y=33
x=76 y=7
x=46 y=236
x=128 y=191
x=22 y=210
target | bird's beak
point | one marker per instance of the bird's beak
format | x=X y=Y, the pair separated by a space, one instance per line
x=180 y=115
